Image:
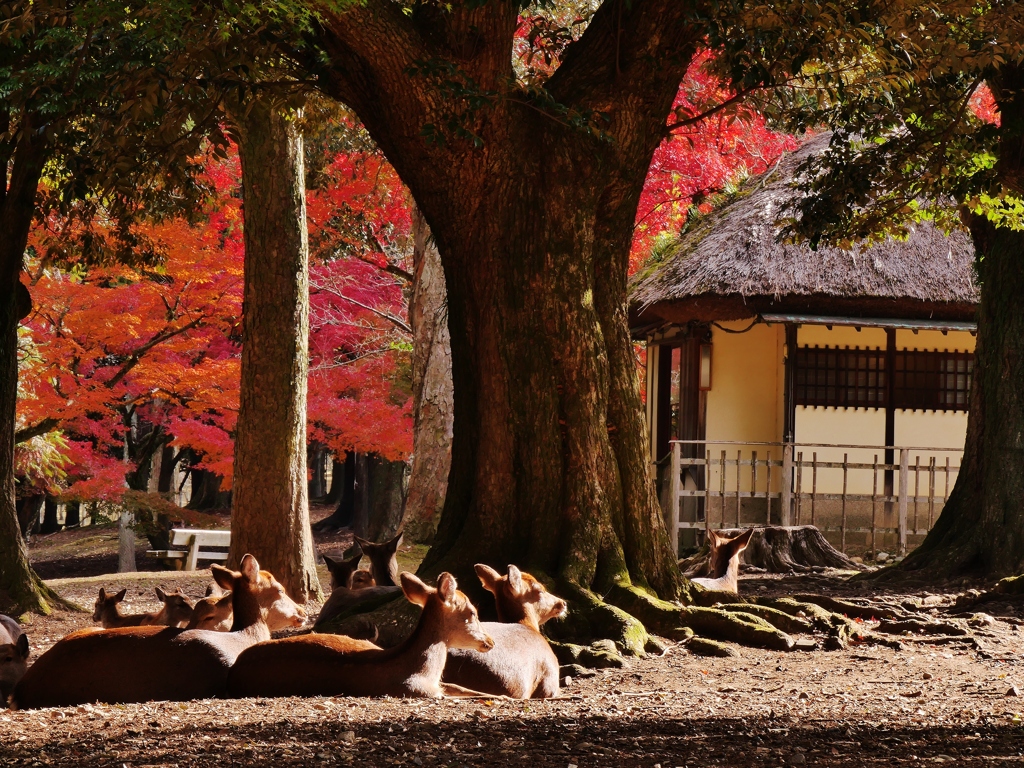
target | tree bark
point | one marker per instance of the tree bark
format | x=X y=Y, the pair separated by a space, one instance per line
x=20 y=589
x=432 y=395
x=533 y=221
x=337 y=481
x=386 y=497
x=343 y=486
x=316 y=454
x=206 y=493
x=980 y=532
x=270 y=516
x=73 y=514
x=50 y=523
x=126 y=543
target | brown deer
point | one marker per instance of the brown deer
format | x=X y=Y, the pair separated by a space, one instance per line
x=362 y=579
x=333 y=665
x=342 y=570
x=176 y=611
x=522 y=664
x=383 y=561
x=213 y=612
x=136 y=664
x=13 y=656
x=725 y=561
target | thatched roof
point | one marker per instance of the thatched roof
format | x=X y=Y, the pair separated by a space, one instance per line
x=731 y=265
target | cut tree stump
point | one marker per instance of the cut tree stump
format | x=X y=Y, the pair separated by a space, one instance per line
x=777 y=549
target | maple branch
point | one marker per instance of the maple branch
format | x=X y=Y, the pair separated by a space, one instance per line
x=48 y=424
x=738 y=96
x=380 y=313
x=135 y=357
x=389 y=267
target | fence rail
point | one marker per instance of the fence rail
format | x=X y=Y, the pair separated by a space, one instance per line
x=916 y=491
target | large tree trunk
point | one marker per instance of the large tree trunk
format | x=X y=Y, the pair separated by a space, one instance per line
x=343 y=487
x=432 y=395
x=981 y=529
x=337 y=481
x=316 y=454
x=50 y=522
x=533 y=221
x=270 y=516
x=20 y=589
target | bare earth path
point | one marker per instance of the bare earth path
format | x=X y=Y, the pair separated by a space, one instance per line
x=867 y=706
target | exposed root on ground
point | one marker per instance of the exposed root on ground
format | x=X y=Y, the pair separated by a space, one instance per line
x=778 y=549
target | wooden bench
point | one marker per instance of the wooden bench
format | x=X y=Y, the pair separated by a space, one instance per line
x=195 y=539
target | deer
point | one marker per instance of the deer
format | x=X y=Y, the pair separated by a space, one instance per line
x=214 y=612
x=725 y=561
x=13 y=656
x=138 y=664
x=176 y=611
x=333 y=665
x=522 y=664
x=342 y=570
x=383 y=563
x=363 y=579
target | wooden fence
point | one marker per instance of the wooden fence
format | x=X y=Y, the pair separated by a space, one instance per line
x=918 y=490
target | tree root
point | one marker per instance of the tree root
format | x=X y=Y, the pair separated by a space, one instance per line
x=701 y=646
x=778 y=619
x=743 y=628
x=852 y=610
x=912 y=626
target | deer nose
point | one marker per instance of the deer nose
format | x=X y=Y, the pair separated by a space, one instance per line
x=563 y=607
x=487 y=643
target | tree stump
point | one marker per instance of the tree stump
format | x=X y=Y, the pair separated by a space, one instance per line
x=777 y=549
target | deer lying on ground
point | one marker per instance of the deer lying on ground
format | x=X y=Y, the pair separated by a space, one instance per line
x=383 y=560
x=725 y=561
x=351 y=585
x=13 y=656
x=213 y=612
x=332 y=665
x=136 y=664
x=522 y=664
x=342 y=570
x=176 y=612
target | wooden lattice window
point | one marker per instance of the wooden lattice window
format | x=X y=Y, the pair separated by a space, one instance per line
x=933 y=380
x=840 y=378
x=856 y=378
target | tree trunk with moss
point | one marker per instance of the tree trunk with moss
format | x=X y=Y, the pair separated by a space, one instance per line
x=980 y=532
x=270 y=512
x=20 y=589
x=531 y=202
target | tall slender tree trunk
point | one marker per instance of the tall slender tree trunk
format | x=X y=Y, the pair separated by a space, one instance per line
x=20 y=589
x=337 y=481
x=432 y=395
x=386 y=497
x=50 y=522
x=126 y=543
x=981 y=529
x=270 y=515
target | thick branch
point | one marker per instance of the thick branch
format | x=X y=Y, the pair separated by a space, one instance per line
x=136 y=357
x=46 y=425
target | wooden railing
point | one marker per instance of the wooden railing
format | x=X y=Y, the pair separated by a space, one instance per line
x=918 y=491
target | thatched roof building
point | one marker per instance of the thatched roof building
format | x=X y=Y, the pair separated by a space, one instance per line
x=731 y=266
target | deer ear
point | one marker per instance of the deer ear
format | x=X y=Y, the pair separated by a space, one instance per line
x=416 y=591
x=103 y=594
x=330 y=562
x=363 y=543
x=120 y=595
x=446 y=586
x=22 y=646
x=224 y=577
x=515 y=579
x=744 y=539
x=395 y=542
x=488 y=576
x=713 y=538
x=250 y=569
x=160 y=595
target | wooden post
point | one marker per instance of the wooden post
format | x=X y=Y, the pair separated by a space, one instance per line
x=874 y=505
x=707 y=490
x=768 y=489
x=721 y=497
x=917 y=487
x=842 y=524
x=785 y=515
x=675 y=486
x=931 y=492
x=739 y=457
x=904 y=483
x=814 y=484
x=193 y=553
x=753 y=478
x=799 y=480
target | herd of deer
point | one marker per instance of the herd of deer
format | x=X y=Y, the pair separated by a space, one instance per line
x=222 y=647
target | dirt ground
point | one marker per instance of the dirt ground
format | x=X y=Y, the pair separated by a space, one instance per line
x=865 y=706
